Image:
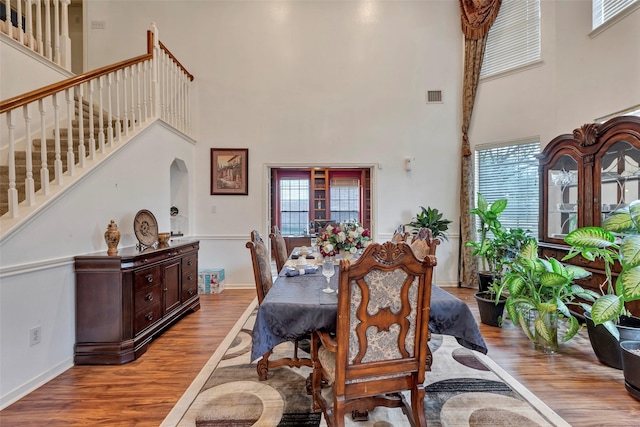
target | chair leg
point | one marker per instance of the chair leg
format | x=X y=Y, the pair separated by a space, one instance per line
x=338 y=412
x=263 y=366
x=417 y=406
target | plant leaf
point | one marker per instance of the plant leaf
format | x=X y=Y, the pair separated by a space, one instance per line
x=482 y=203
x=613 y=330
x=628 y=284
x=607 y=307
x=530 y=250
x=498 y=206
x=590 y=237
x=577 y=272
x=619 y=221
x=630 y=251
x=573 y=329
x=634 y=212
x=543 y=330
x=552 y=279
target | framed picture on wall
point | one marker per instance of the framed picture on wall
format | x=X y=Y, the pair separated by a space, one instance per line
x=230 y=171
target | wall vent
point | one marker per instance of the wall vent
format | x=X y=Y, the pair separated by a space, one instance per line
x=434 y=97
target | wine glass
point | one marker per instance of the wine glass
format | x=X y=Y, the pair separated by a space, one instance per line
x=328 y=270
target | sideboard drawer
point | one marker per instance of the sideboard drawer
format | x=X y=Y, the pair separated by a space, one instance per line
x=147 y=297
x=189 y=276
x=147 y=277
x=147 y=317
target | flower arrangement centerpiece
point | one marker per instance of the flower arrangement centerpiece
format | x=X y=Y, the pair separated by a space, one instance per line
x=344 y=238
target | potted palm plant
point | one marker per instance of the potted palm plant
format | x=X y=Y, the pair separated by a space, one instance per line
x=433 y=220
x=485 y=247
x=608 y=321
x=539 y=293
x=506 y=245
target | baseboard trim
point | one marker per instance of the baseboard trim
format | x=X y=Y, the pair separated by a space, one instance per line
x=26 y=388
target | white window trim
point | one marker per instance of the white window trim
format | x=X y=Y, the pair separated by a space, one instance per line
x=614 y=20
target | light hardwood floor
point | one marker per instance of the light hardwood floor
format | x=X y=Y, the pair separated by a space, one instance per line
x=141 y=393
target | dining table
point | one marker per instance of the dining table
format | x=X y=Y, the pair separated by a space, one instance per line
x=296 y=305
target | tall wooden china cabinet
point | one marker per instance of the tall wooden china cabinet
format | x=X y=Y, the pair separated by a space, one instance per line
x=583 y=177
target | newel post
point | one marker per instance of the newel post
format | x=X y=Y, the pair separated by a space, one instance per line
x=155 y=84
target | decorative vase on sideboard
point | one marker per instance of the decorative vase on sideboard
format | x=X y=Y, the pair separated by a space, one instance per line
x=112 y=238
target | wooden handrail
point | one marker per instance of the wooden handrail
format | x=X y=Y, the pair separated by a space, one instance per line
x=163 y=47
x=34 y=95
x=24 y=99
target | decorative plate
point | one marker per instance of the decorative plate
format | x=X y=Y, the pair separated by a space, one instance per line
x=174 y=211
x=145 y=227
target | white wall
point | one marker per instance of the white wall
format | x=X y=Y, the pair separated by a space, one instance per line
x=37 y=277
x=320 y=82
x=580 y=79
x=15 y=59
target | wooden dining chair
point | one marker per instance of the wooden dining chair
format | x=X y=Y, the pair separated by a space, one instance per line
x=380 y=345
x=279 y=247
x=424 y=244
x=261 y=261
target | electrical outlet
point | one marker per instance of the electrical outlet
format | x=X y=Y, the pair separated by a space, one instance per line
x=35 y=335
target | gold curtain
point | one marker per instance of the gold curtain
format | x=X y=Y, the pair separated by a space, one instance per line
x=477 y=17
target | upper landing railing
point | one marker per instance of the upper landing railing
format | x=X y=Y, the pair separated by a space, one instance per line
x=40 y=25
x=83 y=118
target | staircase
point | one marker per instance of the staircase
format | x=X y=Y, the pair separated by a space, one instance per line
x=133 y=93
x=21 y=155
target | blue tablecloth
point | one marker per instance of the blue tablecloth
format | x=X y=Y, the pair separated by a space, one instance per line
x=296 y=306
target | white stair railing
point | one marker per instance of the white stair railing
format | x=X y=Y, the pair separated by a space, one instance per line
x=53 y=44
x=85 y=102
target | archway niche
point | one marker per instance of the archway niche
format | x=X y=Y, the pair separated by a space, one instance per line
x=179 y=183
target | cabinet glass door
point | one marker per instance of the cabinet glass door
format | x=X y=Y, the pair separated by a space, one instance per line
x=562 y=208
x=619 y=177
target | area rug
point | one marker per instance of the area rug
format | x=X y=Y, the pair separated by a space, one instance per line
x=464 y=388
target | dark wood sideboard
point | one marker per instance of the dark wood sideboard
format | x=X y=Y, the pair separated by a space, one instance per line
x=124 y=301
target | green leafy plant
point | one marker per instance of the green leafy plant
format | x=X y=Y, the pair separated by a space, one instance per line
x=617 y=240
x=542 y=286
x=433 y=220
x=484 y=247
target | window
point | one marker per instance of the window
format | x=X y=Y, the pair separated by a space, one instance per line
x=514 y=38
x=604 y=10
x=511 y=172
x=344 y=198
x=304 y=198
x=294 y=204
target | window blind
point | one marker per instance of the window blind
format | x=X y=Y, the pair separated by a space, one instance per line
x=514 y=38
x=603 y=10
x=511 y=172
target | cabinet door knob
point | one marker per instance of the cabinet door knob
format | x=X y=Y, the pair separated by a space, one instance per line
x=149 y=297
x=189 y=277
x=190 y=291
x=190 y=262
x=149 y=316
x=149 y=278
